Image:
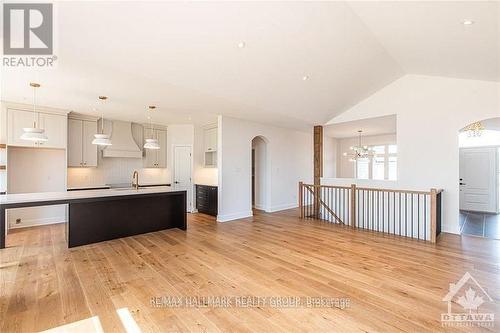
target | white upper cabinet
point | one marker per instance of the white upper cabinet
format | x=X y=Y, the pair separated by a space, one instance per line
x=55 y=129
x=210 y=146
x=156 y=158
x=53 y=124
x=81 y=151
x=89 y=149
x=210 y=138
x=16 y=121
x=75 y=144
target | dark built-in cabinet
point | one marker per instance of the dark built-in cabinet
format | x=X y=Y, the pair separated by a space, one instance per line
x=206 y=199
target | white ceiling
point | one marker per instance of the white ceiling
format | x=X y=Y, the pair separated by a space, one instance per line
x=428 y=37
x=371 y=126
x=184 y=56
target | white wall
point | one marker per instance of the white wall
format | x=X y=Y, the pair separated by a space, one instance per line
x=290 y=158
x=330 y=153
x=36 y=170
x=345 y=168
x=430 y=112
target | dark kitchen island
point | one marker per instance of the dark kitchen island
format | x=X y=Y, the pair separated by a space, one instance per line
x=100 y=215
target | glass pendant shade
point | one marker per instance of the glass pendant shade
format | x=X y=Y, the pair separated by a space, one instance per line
x=34 y=134
x=151 y=144
x=101 y=140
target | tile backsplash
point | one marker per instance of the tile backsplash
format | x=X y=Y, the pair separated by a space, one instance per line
x=116 y=171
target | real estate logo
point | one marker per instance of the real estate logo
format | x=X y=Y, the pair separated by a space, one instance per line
x=28 y=35
x=469 y=294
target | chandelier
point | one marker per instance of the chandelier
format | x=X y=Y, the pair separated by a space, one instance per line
x=474 y=129
x=360 y=152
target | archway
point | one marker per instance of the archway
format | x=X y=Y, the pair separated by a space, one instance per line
x=479 y=174
x=260 y=178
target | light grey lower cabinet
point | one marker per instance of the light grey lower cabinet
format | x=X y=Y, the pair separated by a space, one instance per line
x=81 y=151
x=156 y=158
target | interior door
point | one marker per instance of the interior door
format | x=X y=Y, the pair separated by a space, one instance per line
x=478 y=179
x=182 y=172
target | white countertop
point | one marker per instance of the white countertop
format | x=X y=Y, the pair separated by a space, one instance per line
x=72 y=195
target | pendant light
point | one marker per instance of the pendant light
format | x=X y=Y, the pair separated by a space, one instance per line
x=360 y=152
x=102 y=139
x=151 y=143
x=34 y=133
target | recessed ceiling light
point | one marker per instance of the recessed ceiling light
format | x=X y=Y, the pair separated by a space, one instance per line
x=467 y=22
x=241 y=45
x=305 y=78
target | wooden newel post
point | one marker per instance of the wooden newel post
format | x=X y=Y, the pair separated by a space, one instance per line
x=301 y=199
x=353 y=205
x=433 y=214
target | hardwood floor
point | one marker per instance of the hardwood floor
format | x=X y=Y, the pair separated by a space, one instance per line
x=394 y=284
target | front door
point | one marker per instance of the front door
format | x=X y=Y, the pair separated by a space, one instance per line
x=478 y=179
x=182 y=172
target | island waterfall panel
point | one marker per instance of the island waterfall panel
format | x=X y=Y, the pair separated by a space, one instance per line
x=100 y=219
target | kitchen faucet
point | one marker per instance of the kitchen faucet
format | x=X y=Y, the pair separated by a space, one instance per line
x=135 y=180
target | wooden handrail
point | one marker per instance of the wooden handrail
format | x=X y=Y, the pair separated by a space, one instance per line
x=373 y=189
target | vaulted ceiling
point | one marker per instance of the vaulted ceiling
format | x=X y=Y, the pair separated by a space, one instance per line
x=301 y=63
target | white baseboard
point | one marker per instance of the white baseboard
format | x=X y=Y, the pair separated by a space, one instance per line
x=36 y=222
x=278 y=208
x=234 y=216
x=260 y=207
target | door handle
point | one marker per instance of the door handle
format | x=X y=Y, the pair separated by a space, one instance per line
x=176 y=182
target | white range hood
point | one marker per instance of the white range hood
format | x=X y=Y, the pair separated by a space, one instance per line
x=123 y=143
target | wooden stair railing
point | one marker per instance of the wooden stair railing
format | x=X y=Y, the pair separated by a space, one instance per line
x=414 y=214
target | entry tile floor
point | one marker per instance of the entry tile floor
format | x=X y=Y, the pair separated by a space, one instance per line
x=480 y=224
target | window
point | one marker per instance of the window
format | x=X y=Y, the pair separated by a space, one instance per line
x=378 y=167
x=363 y=169
x=382 y=167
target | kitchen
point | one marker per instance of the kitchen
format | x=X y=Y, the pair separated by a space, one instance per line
x=66 y=154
